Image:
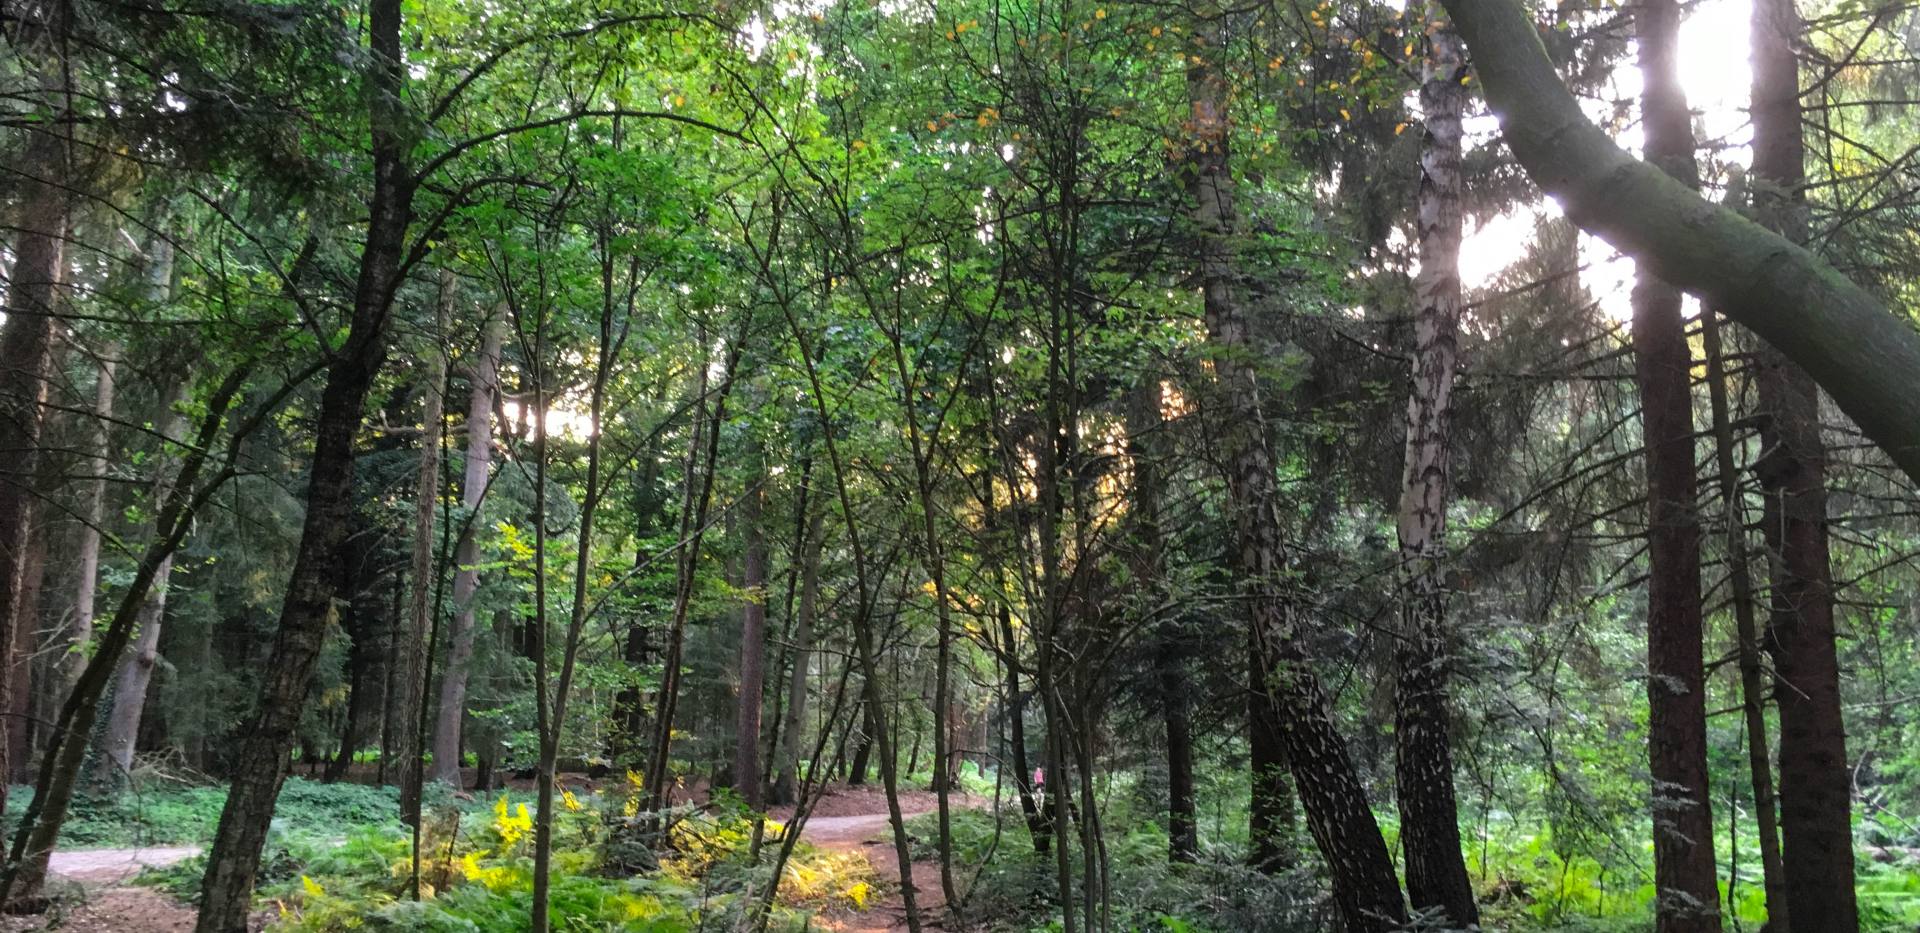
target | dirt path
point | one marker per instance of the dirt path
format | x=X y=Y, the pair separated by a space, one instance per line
x=106 y=904
x=871 y=834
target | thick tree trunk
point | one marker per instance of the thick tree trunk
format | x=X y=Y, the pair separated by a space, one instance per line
x=26 y=357
x=1683 y=862
x=1815 y=783
x=1862 y=353
x=1338 y=815
x=753 y=646
x=226 y=891
x=1429 y=818
x=426 y=498
x=484 y=386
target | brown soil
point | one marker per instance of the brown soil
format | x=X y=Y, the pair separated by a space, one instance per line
x=854 y=819
x=89 y=894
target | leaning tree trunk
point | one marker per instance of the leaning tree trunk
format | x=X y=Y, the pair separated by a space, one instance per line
x=484 y=382
x=1862 y=353
x=226 y=891
x=26 y=355
x=1685 y=879
x=1429 y=818
x=1338 y=815
x=1815 y=784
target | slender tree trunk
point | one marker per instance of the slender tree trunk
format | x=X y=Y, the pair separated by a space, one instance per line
x=226 y=891
x=786 y=786
x=92 y=509
x=1145 y=450
x=426 y=498
x=1815 y=783
x=484 y=387
x=1429 y=819
x=1753 y=696
x=1338 y=815
x=26 y=358
x=1684 y=873
x=753 y=643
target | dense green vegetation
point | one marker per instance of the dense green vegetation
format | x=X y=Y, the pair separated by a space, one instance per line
x=1028 y=464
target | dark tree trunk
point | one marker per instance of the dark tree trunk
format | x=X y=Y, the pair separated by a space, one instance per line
x=1683 y=860
x=1815 y=784
x=1753 y=691
x=862 y=748
x=1338 y=815
x=226 y=892
x=627 y=744
x=26 y=357
x=1145 y=449
x=1437 y=880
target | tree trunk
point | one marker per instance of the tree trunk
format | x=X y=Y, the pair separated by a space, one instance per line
x=1429 y=818
x=1862 y=353
x=1146 y=453
x=421 y=571
x=753 y=643
x=1815 y=783
x=136 y=672
x=1753 y=695
x=1364 y=884
x=786 y=785
x=484 y=386
x=226 y=891
x=1684 y=874
x=26 y=357
x=92 y=509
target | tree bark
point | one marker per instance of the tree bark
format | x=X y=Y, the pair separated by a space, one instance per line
x=1685 y=878
x=1342 y=824
x=1815 y=783
x=1437 y=880
x=1863 y=354
x=226 y=890
x=483 y=388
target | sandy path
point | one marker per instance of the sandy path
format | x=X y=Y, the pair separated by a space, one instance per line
x=109 y=905
x=871 y=834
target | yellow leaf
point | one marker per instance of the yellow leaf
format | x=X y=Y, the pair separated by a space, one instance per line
x=1344 y=115
x=312 y=887
x=1154 y=32
x=1100 y=13
x=1399 y=128
x=858 y=895
x=859 y=144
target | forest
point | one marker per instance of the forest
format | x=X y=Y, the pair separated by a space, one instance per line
x=990 y=465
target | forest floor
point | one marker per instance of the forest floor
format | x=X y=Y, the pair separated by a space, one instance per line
x=105 y=901
x=856 y=820
x=93 y=892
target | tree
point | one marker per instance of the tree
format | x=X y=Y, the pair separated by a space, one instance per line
x=1430 y=827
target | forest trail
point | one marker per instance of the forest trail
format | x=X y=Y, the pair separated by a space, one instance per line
x=871 y=835
x=110 y=903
